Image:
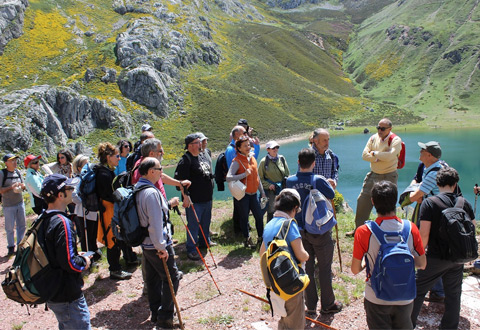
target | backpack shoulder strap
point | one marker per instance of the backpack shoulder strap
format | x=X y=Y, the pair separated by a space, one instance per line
x=459 y=202
x=391 y=137
x=406 y=230
x=284 y=228
x=5 y=173
x=444 y=200
x=377 y=232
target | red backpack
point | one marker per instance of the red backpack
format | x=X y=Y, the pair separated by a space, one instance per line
x=401 y=156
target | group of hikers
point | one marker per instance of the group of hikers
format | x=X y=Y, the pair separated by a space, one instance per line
x=261 y=187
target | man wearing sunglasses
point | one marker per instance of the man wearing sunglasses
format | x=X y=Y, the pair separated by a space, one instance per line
x=382 y=155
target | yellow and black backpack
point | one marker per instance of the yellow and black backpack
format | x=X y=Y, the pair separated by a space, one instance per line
x=280 y=271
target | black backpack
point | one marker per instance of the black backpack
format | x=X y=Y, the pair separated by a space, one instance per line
x=457 y=232
x=221 y=170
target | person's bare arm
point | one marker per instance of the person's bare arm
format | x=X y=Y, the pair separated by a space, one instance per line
x=299 y=250
x=416 y=196
x=420 y=262
x=356 y=266
x=425 y=231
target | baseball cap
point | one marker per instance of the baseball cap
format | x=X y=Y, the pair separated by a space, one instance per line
x=272 y=144
x=55 y=182
x=294 y=193
x=146 y=127
x=190 y=138
x=201 y=136
x=432 y=147
x=9 y=156
x=29 y=158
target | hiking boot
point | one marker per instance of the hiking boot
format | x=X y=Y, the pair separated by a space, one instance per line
x=311 y=312
x=335 y=308
x=120 y=275
x=435 y=297
x=350 y=233
x=11 y=251
x=249 y=243
x=193 y=256
x=165 y=323
x=179 y=275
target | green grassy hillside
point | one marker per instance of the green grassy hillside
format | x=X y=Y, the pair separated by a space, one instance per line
x=282 y=70
x=421 y=55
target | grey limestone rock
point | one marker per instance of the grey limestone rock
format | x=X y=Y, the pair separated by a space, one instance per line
x=52 y=116
x=11 y=20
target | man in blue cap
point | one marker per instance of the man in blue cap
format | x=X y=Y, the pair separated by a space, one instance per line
x=68 y=303
x=12 y=200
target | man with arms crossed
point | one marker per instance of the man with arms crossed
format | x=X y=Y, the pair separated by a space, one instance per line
x=382 y=314
x=383 y=158
x=326 y=162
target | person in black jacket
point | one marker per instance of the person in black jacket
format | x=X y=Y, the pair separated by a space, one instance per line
x=68 y=303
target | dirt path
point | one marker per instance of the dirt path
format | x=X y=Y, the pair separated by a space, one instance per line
x=120 y=304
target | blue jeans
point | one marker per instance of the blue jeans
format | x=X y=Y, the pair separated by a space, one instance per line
x=14 y=215
x=247 y=203
x=72 y=315
x=204 y=213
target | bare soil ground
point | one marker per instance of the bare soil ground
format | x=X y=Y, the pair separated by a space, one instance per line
x=121 y=305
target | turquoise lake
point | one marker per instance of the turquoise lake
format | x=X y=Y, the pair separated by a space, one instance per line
x=459 y=149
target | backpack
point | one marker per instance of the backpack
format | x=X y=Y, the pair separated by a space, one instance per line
x=278 y=185
x=221 y=170
x=457 y=232
x=86 y=188
x=393 y=276
x=401 y=156
x=124 y=179
x=280 y=271
x=29 y=279
x=125 y=222
x=317 y=211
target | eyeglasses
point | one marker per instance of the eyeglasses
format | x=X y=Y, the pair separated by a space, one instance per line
x=62 y=157
x=198 y=142
x=118 y=156
x=158 y=168
x=380 y=128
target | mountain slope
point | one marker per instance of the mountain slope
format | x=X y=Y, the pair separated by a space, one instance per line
x=422 y=55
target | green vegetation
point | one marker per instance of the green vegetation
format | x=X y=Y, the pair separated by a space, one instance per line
x=219 y=319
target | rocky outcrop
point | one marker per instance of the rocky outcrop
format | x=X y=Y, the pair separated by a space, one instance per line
x=146 y=86
x=152 y=54
x=11 y=20
x=52 y=116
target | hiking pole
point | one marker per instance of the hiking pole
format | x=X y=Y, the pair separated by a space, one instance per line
x=172 y=291
x=476 y=197
x=198 y=250
x=338 y=241
x=199 y=225
x=306 y=317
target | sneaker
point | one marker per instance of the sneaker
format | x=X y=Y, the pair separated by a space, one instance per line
x=335 y=308
x=212 y=243
x=179 y=275
x=165 y=323
x=350 y=233
x=120 y=275
x=11 y=250
x=193 y=256
x=249 y=243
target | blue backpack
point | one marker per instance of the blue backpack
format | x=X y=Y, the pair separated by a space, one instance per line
x=393 y=276
x=86 y=188
x=317 y=211
x=125 y=222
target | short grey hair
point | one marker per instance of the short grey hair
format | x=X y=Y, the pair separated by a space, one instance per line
x=149 y=146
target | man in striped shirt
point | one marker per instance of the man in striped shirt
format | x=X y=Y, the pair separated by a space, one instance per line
x=326 y=162
x=430 y=154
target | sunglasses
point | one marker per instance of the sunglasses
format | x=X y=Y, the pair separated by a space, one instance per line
x=380 y=128
x=158 y=168
x=126 y=146
x=33 y=162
